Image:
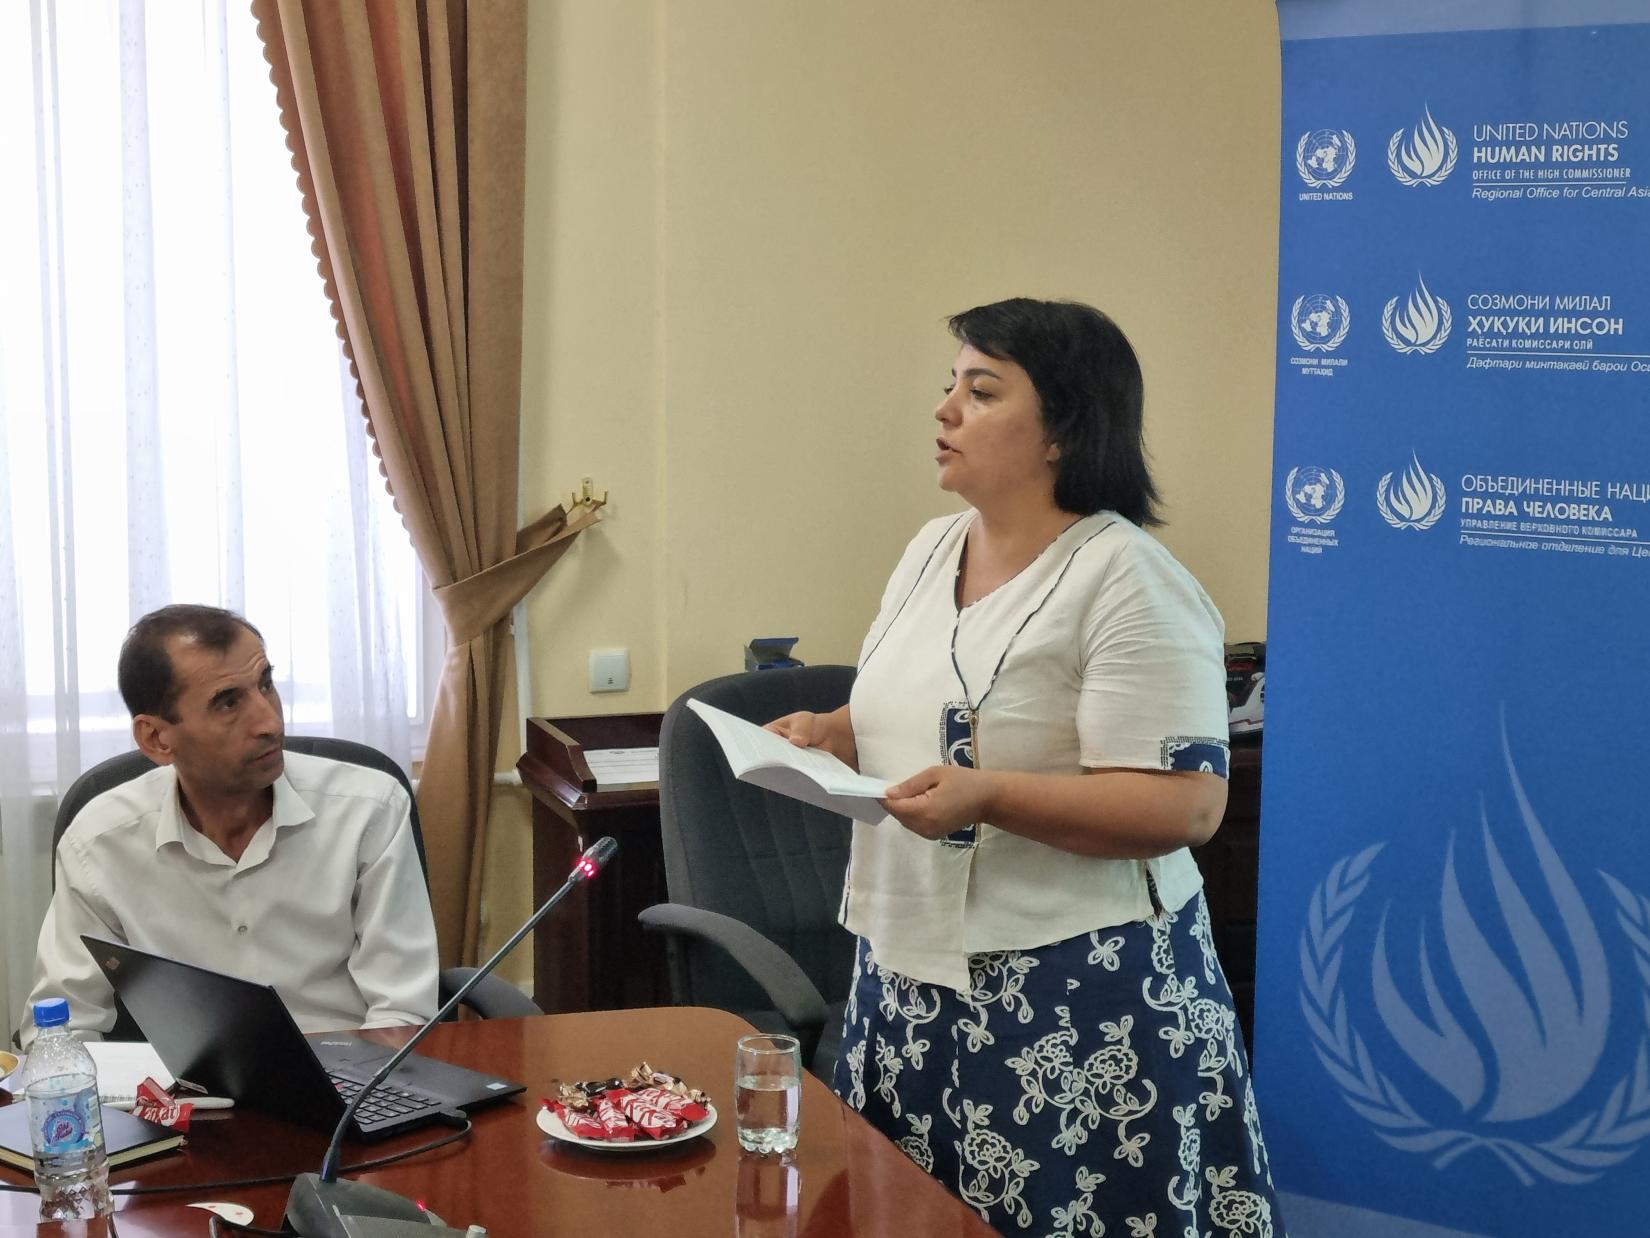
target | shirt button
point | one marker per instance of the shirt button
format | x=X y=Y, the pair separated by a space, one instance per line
x=240 y=928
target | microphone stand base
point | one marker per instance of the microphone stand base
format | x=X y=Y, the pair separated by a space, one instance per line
x=313 y=1207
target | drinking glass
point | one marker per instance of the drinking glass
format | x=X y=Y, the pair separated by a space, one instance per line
x=767 y=1092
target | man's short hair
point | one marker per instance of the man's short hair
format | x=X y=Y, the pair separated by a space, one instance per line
x=147 y=683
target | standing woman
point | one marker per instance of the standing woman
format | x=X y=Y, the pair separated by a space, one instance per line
x=1038 y=1017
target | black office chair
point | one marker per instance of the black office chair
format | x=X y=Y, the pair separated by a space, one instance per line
x=493 y=998
x=755 y=878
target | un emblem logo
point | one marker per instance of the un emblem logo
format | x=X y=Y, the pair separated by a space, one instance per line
x=1425 y=156
x=1320 y=322
x=1325 y=157
x=1314 y=495
x=1421 y=325
x=1416 y=502
x=1507 y=1057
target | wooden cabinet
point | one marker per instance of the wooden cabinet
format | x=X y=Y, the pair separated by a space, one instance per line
x=590 y=953
x=1230 y=862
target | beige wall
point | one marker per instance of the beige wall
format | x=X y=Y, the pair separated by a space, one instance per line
x=747 y=222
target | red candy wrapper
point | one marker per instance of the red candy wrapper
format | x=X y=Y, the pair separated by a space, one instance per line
x=584 y=1124
x=619 y=1128
x=646 y=1110
x=158 y=1105
x=678 y=1106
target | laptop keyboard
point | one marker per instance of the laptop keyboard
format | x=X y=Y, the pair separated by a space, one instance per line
x=387 y=1102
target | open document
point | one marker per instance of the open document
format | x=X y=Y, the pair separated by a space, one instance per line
x=811 y=775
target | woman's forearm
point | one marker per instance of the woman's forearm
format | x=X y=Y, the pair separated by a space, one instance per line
x=1116 y=813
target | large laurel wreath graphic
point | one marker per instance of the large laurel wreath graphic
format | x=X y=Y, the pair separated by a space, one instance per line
x=1426 y=521
x=1579 y=1154
x=1328 y=182
x=1451 y=150
x=1329 y=513
x=1334 y=341
x=1445 y=318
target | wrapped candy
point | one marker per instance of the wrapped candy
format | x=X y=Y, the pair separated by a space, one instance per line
x=647 y=1109
x=582 y=1123
x=620 y=1129
x=644 y=1076
x=645 y=1102
x=158 y=1105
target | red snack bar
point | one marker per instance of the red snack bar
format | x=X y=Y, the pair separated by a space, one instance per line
x=677 y=1105
x=158 y=1105
x=584 y=1124
x=619 y=1128
x=645 y=1108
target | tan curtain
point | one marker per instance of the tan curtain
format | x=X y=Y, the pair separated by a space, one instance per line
x=407 y=122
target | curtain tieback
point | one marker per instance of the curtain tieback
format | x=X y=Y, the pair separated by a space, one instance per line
x=474 y=605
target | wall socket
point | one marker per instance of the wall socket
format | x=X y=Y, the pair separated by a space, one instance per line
x=610 y=670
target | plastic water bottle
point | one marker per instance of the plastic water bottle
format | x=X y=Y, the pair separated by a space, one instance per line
x=71 y=1168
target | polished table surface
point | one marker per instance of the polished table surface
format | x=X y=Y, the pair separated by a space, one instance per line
x=844 y=1178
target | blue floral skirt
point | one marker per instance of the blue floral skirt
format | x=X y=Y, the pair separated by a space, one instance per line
x=1096 y=1086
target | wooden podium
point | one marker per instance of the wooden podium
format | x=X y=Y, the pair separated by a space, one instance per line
x=590 y=953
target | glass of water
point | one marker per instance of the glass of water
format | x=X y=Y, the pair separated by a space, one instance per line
x=767 y=1092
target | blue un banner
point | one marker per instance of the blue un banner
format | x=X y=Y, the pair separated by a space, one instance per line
x=1453 y=990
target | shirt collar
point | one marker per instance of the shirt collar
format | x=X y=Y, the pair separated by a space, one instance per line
x=289 y=808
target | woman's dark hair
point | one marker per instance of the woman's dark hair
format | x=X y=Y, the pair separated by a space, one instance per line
x=145 y=672
x=1088 y=381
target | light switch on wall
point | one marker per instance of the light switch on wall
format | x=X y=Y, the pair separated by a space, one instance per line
x=610 y=670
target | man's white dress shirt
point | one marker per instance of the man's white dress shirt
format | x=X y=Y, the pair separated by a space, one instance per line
x=327 y=903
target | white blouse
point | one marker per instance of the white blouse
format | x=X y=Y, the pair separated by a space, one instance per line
x=1102 y=653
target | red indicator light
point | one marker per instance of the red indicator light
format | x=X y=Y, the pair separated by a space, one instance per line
x=586 y=866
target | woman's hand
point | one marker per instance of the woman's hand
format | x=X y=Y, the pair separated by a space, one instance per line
x=834 y=732
x=940 y=799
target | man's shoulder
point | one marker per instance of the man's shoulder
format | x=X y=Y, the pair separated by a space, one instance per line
x=133 y=804
x=312 y=775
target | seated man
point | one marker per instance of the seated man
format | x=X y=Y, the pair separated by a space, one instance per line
x=278 y=867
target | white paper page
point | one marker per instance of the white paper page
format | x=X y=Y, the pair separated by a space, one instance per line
x=619 y=766
x=121 y=1066
x=809 y=774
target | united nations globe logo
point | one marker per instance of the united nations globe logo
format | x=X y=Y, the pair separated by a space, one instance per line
x=1319 y=322
x=1324 y=157
x=1314 y=495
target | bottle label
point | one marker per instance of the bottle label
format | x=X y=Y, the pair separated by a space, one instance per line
x=66 y=1124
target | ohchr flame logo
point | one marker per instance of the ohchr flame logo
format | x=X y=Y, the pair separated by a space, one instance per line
x=1424 y=155
x=1421 y=324
x=1510 y=1033
x=1415 y=502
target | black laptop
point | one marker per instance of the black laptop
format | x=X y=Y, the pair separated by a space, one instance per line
x=231 y=1037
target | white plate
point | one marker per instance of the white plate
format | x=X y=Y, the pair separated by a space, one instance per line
x=551 y=1124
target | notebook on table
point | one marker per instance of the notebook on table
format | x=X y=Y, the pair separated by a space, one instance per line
x=121 y=1066
x=125 y=1137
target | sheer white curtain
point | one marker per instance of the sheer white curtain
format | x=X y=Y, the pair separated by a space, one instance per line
x=176 y=422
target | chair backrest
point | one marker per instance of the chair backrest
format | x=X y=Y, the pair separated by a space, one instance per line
x=773 y=862
x=128 y=765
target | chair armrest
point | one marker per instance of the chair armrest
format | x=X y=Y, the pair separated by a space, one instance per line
x=793 y=995
x=493 y=998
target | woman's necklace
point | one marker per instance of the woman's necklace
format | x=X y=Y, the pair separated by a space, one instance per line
x=965 y=721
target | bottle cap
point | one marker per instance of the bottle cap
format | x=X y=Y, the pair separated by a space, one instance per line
x=52 y=1012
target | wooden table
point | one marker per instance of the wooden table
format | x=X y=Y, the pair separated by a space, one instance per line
x=846 y=1179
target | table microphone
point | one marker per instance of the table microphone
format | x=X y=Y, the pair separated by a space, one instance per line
x=318 y=1202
